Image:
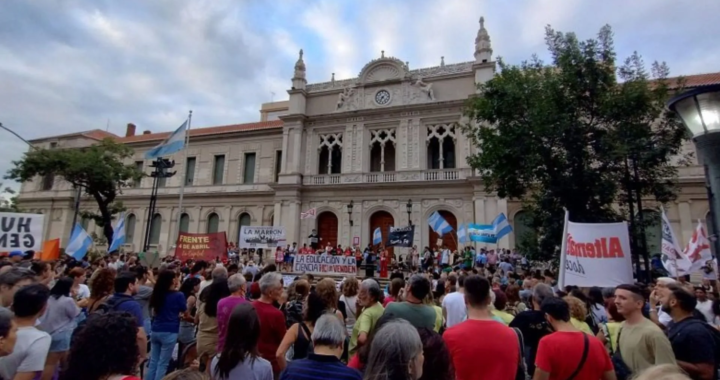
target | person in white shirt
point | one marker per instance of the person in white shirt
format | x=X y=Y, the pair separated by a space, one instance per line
x=704 y=305
x=27 y=360
x=453 y=305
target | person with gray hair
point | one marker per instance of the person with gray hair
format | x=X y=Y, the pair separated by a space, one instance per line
x=219 y=272
x=272 y=328
x=8 y=332
x=396 y=353
x=328 y=339
x=532 y=323
x=238 y=287
x=413 y=309
x=370 y=300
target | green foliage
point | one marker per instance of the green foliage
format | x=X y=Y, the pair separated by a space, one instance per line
x=554 y=136
x=98 y=169
x=8 y=200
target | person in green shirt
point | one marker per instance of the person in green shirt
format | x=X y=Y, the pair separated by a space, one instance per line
x=370 y=300
x=468 y=258
x=413 y=309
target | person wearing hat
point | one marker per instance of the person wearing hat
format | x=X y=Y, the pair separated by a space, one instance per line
x=16 y=256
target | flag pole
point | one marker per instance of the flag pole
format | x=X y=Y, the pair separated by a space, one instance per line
x=563 y=254
x=182 y=175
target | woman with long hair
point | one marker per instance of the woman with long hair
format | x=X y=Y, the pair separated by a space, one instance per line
x=596 y=305
x=59 y=322
x=79 y=291
x=298 y=335
x=578 y=314
x=395 y=353
x=293 y=308
x=437 y=364
x=104 y=348
x=348 y=298
x=166 y=304
x=514 y=304
x=189 y=289
x=327 y=290
x=206 y=318
x=102 y=285
x=240 y=358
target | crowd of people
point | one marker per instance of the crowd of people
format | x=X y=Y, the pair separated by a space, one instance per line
x=457 y=317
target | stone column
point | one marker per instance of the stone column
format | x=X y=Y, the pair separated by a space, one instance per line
x=277 y=215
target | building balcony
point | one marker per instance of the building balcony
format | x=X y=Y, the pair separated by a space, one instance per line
x=388 y=177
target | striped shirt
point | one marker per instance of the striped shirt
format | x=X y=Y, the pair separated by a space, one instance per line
x=319 y=367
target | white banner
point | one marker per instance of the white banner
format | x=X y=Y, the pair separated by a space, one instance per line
x=325 y=264
x=22 y=232
x=261 y=237
x=596 y=254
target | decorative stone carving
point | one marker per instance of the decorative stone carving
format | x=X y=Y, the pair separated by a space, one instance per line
x=409 y=176
x=429 y=202
x=483 y=47
x=344 y=96
x=57 y=215
x=369 y=204
x=383 y=73
x=425 y=88
x=392 y=204
x=352 y=179
x=457 y=203
x=300 y=67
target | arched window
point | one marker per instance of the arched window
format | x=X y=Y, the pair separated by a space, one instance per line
x=213 y=223
x=155 y=226
x=84 y=223
x=243 y=220
x=130 y=228
x=184 y=222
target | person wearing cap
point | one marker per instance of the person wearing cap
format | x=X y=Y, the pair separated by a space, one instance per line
x=16 y=256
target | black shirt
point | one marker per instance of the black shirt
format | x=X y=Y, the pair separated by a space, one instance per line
x=533 y=326
x=692 y=341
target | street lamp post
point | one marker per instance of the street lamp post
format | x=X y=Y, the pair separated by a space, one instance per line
x=350 y=210
x=161 y=167
x=408 y=208
x=699 y=110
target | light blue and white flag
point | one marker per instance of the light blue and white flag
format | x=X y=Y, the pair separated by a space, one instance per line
x=79 y=243
x=462 y=234
x=490 y=233
x=439 y=224
x=118 y=234
x=377 y=236
x=174 y=143
x=501 y=226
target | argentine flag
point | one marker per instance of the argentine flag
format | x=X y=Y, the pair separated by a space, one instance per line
x=377 y=236
x=462 y=234
x=79 y=243
x=118 y=234
x=174 y=143
x=501 y=227
x=439 y=224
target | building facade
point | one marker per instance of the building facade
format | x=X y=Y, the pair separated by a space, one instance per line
x=378 y=150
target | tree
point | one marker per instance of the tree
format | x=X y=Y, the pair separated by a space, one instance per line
x=99 y=170
x=8 y=200
x=548 y=135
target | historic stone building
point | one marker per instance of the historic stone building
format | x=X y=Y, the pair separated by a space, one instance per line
x=380 y=149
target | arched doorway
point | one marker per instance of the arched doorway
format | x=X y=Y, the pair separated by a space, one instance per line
x=384 y=220
x=327 y=229
x=449 y=239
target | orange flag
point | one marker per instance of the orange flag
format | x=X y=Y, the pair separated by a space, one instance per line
x=50 y=250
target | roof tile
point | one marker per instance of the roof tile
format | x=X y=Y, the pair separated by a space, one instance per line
x=196 y=132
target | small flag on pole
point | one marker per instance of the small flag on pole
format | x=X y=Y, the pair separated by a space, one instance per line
x=309 y=214
x=673 y=259
x=462 y=234
x=439 y=224
x=377 y=236
x=118 y=234
x=698 y=249
x=173 y=144
x=501 y=226
x=79 y=244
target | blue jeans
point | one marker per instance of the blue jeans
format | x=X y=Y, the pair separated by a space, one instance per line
x=161 y=348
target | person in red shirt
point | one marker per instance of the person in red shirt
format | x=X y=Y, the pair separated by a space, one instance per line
x=569 y=353
x=495 y=354
x=272 y=320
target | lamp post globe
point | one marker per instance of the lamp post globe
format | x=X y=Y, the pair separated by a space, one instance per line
x=699 y=110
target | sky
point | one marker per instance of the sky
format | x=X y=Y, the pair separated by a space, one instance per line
x=75 y=65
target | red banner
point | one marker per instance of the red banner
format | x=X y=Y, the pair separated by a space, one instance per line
x=201 y=246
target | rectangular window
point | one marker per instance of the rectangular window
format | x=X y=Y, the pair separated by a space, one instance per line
x=48 y=181
x=278 y=164
x=139 y=167
x=249 y=169
x=219 y=170
x=53 y=145
x=190 y=171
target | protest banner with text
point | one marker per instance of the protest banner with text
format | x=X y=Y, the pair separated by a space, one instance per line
x=325 y=264
x=596 y=254
x=401 y=236
x=261 y=237
x=201 y=246
x=22 y=232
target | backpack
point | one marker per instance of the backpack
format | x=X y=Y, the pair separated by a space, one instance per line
x=110 y=305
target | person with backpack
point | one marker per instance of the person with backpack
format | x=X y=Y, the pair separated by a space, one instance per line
x=695 y=343
x=123 y=301
x=166 y=304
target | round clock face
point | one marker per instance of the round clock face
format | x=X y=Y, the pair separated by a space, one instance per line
x=382 y=97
